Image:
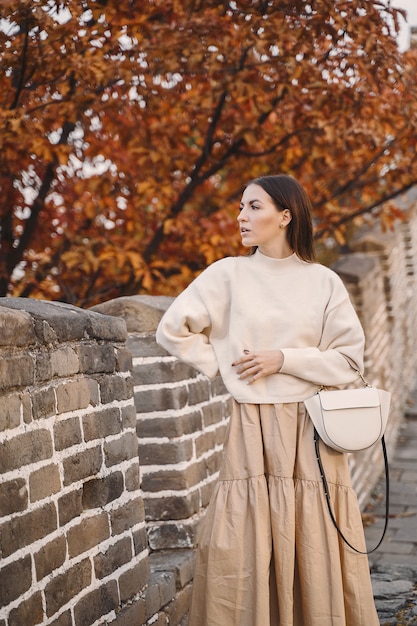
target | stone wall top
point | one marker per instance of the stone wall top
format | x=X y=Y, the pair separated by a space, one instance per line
x=25 y=321
x=352 y=267
x=141 y=313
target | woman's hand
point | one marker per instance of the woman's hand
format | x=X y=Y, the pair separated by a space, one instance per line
x=254 y=365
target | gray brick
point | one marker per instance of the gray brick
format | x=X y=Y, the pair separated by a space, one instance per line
x=82 y=465
x=67 y=433
x=16 y=371
x=198 y=392
x=174 y=479
x=105 y=563
x=122 y=449
x=213 y=413
x=98 y=492
x=162 y=372
x=73 y=395
x=161 y=590
x=123 y=360
x=13 y=496
x=16 y=327
x=140 y=540
x=171 y=535
x=96 y=603
x=174 y=426
x=26 y=407
x=50 y=557
x=70 y=506
x=94 y=391
x=107 y=328
x=29 y=612
x=90 y=532
x=145 y=345
x=132 y=614
x=43 y=403
x=115 y=388
x=180 y=562
x=126 y=516
x=96 y=358
x=26 y=529
x=213 y=462
x=135 y=579
x=44 y=482
x=165 y=453
x=101 y=424
x=128 y=416
x=24 y=449
x=16 y=579
x=64 y=362
x=206 y=492
x=132 y=478
x=172 y=508
x=62 y=588
x=43 y=367
x=161 y=399
x=204 y=443
x=220 y=434
x=9 y=411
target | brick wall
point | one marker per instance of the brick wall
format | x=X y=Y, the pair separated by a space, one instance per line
x=73 y=541
x=181 y=422
x=385 y=297
x=87 y=535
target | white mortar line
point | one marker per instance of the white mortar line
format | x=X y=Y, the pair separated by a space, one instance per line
x=184 y=411
x=144 y=360
x=182 y=465
x=44 y=422
x=186 y=436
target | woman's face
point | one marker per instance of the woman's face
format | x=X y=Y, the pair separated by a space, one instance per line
x=260 y=222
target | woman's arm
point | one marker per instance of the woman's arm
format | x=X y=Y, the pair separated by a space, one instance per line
x=339 y=354
x=183 y=331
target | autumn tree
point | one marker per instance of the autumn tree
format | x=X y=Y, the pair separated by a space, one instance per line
x=129 y=128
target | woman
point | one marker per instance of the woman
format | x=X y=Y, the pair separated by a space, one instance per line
x=276 y=325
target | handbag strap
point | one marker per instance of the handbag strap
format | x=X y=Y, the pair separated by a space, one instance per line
x=329 y=505
x=359 y=373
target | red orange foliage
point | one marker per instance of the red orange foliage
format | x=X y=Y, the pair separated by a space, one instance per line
x=127 y=130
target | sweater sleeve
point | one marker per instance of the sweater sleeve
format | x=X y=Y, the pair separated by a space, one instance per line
x=340 y=352
x=183 y=331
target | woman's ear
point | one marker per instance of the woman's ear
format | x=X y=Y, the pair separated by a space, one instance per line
x=286 y=217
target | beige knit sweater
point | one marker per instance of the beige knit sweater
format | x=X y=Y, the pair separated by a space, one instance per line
x=260 y=303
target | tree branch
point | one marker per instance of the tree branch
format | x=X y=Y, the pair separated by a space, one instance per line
x=348 y=218
x=353 y=181
x=30 y=225
x=22 y=73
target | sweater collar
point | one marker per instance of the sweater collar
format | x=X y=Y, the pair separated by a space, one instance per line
x=276 y=265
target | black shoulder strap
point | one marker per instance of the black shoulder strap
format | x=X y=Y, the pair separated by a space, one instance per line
x=326 y=493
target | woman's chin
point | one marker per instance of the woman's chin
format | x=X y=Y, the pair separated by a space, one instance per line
x=246 y=243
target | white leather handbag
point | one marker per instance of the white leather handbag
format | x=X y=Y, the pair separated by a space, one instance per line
x=350 y=420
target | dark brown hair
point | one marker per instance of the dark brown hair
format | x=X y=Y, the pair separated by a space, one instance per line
x=287 y=193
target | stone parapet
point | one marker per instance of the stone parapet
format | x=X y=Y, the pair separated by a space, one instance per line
x=73 y=540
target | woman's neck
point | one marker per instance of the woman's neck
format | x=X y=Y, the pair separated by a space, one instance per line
x=278 y=250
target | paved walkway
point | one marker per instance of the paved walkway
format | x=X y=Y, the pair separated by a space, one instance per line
x=394 y=564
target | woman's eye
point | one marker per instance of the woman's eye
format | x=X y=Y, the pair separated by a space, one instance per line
x=252 y=206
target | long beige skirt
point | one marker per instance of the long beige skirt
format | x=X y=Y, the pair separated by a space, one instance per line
x=268 y=553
